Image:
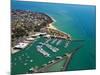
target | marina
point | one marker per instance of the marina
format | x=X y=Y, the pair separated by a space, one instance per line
x=36 y=52
x=46 y=41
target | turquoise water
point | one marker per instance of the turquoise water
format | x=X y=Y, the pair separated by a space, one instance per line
x=77 y=20
x=30 y=53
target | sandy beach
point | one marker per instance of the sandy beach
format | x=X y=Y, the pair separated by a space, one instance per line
x=52 y=26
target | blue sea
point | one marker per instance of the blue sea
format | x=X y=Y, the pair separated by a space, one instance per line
x=77 y=20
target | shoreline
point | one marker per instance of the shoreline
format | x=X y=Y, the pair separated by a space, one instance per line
x=52 y=26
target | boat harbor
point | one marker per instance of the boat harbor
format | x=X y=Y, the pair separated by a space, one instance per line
x=30 y=55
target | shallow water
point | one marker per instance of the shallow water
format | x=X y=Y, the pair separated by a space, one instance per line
x=77 y=20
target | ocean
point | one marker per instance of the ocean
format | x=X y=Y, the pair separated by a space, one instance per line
x=77 y=20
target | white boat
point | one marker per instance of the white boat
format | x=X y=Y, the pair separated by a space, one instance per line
x=37 y=34
x=20 y=45
x=42 y=33
x=39 y=49
x=30 y=39
x=34 y=36
x=54 y=49
x=52 y=61
x=58 y=57
x=47 y=36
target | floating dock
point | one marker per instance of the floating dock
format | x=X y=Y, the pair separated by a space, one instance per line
x=29 y=60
